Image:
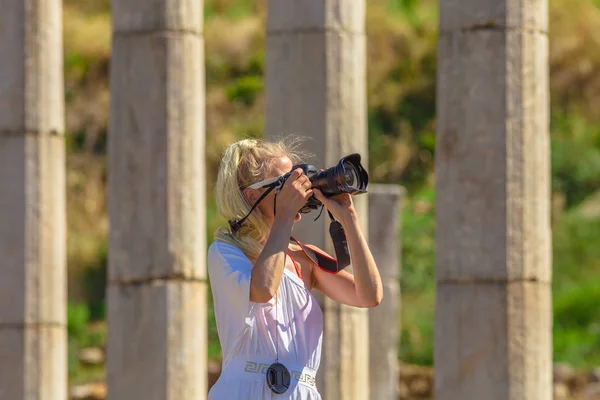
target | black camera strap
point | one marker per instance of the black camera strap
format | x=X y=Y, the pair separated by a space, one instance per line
x=321 y=259
x=340 y=244
x=277 y=190
x=237 y=224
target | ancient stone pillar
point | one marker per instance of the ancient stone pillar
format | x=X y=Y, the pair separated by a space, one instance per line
x=316 y=87
x=157 y=272
x=384 y=326
x=493 y=247
x=33 y=354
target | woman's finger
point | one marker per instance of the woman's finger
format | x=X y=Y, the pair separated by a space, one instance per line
x=298 y=184
x=296 y=174
x=293 y=178
x=318 y=194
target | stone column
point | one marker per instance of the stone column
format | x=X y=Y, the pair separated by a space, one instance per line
x=157 y=244
x=33 y=354
x=385 y=203
x=493 y=248
x=316 y=87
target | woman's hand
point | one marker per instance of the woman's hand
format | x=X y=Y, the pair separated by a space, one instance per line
x=293 y=195
x=340 y=206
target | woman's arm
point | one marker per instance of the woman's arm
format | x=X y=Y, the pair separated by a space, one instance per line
x=364 y=288
x=268 y=268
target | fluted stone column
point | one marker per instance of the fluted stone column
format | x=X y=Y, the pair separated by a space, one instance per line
x=33 y=354
x=385 y=203
x=493 y=248
x=316 y=87
x=157 y=272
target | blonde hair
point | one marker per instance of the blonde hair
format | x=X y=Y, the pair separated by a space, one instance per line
x=246 y=162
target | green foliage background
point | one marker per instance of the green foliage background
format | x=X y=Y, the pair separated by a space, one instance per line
x=402 y=40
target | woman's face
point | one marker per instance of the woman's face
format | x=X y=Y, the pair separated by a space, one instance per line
x=282 y=166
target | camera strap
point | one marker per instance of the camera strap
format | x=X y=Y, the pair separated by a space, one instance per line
x=340 y=245
x=237 y=224
x=279 y=186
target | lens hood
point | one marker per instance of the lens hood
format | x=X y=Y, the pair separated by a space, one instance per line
x=363 y=176
x=347 y=176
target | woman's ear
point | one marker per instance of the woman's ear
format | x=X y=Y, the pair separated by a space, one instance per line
x=250 y=196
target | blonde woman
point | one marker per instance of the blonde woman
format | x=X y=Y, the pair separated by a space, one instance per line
x=269 y=324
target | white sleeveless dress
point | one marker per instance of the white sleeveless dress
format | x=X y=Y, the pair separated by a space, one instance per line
x=249 y=331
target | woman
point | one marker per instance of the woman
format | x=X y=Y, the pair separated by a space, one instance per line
x=269 y=324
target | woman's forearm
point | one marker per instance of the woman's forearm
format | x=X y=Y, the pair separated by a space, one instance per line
x=268 y=268
x=366 y=276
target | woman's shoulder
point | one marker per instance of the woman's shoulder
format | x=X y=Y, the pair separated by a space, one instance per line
x=219 y=246
x=221 y=253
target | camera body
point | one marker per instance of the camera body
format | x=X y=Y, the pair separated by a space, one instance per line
x=347 y=176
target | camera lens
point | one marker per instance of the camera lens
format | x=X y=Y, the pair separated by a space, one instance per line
x=350 y=175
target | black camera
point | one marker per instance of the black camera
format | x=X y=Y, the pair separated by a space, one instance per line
x=348 y=176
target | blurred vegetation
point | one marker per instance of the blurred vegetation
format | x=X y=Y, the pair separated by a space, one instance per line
x=402 y=38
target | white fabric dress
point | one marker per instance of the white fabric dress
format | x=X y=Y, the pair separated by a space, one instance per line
x=248 y=331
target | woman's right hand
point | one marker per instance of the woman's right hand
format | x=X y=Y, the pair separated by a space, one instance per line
x=293 y=195
x=268 y=268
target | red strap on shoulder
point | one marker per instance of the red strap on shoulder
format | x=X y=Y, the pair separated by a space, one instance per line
x=319 y=258
x=298 y=271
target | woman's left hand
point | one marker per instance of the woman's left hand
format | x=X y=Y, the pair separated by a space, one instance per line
x=341 y=205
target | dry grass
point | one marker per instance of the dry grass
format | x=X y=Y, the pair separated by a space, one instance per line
x=575 y=57
x=86 y=34
x=233 y=42
x=87 y=223
x=87 y=37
